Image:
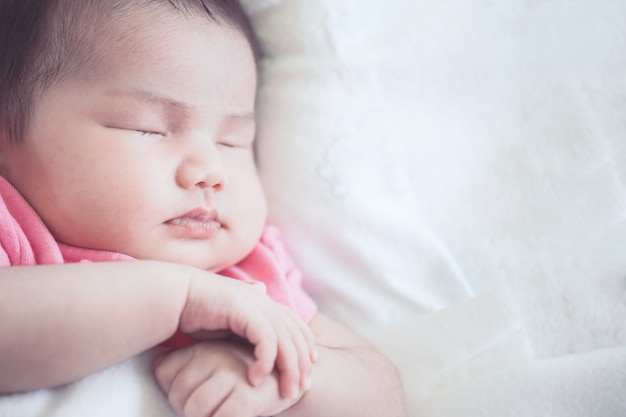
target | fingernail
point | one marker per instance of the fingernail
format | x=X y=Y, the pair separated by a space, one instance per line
x=307 y=382
x=315 y=354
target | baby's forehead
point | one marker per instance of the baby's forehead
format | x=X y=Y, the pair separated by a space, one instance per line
x=101 y=35
x=187 y=59
x=105 y=20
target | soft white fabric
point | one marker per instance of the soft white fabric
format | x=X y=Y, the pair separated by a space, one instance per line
x=450 y=176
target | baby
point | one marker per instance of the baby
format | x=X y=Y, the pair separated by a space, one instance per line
x=131 y=210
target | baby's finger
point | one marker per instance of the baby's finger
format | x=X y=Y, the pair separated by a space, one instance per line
x=166 y=369
x=180 y=382
x=312 y=343
x=289 y=366
x=207 y=398
x=265 y=353
x=305 y=356
x=304 y=332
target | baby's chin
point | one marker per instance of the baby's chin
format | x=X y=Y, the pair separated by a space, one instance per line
x=207 y=260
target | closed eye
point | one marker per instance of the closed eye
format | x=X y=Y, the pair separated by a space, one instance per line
x=241 y=140
x=227 y=144
x=142 y=132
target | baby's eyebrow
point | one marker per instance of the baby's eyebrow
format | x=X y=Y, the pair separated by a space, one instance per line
x=151 y=97
x=244 y=116
x=164 y=101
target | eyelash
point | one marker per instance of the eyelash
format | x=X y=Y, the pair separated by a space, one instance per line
x=226 y=144
x=149 y=133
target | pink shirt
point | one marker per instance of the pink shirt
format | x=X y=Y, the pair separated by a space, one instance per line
x=26 y=240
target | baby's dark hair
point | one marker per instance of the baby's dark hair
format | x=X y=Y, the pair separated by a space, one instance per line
x=45 y=41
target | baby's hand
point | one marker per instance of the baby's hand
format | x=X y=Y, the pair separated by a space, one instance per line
x=280 y=338
x=209 y=379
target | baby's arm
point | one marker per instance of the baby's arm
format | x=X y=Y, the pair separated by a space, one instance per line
x=350 y=379
x=62 y=322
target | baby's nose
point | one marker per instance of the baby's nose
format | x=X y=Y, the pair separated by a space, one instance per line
x=203 y=169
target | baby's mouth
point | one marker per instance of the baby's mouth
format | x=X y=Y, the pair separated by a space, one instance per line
x=196 y=224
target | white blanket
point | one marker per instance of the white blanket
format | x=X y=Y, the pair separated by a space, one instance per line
x=451 y=177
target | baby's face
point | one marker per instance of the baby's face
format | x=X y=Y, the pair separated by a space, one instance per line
x=150 y=152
